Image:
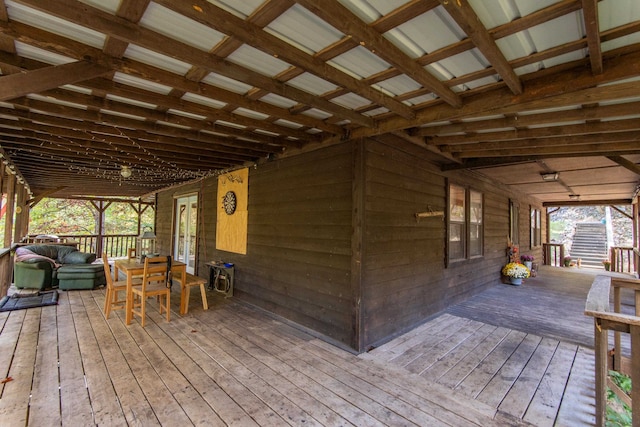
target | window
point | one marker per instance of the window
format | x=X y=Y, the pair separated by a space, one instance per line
x=466 y=231
x=536 y=228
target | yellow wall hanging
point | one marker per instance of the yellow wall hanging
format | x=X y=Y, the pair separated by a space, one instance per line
x=232 y=203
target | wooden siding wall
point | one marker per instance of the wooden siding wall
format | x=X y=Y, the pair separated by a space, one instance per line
x=404 y=278
x=334 y=244
x=298 y=261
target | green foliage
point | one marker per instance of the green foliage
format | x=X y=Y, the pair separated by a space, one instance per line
x=62 y=216
x=618 y=413
x=556 y=230
x=79 y=217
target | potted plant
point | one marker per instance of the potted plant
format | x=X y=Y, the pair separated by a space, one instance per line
x=607 y=264
x=527 y=260
x=516 y=272
x=567 y=261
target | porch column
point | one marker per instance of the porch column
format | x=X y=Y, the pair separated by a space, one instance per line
x=8 y=219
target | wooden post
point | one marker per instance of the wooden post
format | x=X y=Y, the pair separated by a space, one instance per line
x=8 y=219
x=22 y=213
x=635 y=375
x=601 y=358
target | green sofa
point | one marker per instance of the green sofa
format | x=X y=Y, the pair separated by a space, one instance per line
x=48 y=266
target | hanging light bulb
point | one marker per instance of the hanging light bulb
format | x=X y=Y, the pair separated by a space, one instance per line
x=125 y=171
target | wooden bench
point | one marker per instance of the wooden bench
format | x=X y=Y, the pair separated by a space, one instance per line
x=185 y=291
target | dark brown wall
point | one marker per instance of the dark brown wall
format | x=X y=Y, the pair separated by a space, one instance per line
x=334 y=245
x=404 y=278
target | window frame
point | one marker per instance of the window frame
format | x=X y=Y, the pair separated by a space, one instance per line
x=535 y=225
x=466 y=225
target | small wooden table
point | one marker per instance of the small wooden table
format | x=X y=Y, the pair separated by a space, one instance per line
x=133 y=268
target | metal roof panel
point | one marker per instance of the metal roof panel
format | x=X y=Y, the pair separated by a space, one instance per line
x=258 y=61
x=226 y=83
x=157 y=60
x=171 y=24
x=41 y=55
x=302 y=29
x=143 y=84
x=203 y=100
x=312 y=84
x=359 y=62
x=35 y=18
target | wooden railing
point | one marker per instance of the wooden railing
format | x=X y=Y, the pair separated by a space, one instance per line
x=623 y=259
x=607 y=319
x=115 y=245
x=553 y=254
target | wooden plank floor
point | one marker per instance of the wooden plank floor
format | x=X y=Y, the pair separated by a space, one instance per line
x=526 y=351
x=523 y=376
x=231 y=365
x=236 y=365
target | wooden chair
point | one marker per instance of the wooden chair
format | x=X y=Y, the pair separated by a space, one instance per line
x=154 y=284
x=185 y=291
x=112 y=299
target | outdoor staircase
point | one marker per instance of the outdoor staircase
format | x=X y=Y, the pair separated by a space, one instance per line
x=590 y=244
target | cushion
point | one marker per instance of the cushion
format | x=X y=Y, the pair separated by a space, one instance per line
x=76 y=257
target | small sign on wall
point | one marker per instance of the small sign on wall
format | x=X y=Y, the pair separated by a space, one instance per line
x=232 y=204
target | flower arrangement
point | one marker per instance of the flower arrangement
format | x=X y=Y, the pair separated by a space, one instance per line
x=525 y=258
x=516 y=270
x=607 y=264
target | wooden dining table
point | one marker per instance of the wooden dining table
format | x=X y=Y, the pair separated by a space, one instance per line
x=131 y=267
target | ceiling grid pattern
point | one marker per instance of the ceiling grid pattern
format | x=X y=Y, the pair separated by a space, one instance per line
x=179 y=90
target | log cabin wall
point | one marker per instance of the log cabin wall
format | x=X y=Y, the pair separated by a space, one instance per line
x=298 y=257
x=299 y=241
x=334 y=244
x=404 y=277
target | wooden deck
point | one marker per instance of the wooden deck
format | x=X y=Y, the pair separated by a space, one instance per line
x=235 y=365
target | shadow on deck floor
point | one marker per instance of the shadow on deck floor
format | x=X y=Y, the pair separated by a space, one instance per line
x=549 y=305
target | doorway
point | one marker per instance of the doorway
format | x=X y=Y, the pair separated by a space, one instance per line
x=186 y=222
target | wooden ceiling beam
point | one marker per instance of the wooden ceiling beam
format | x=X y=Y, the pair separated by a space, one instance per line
x=125 y=122
x=108 y=148
x=208 y=14
x=113 y=137
x=83 y=14
x=565 y=89
x=628 y=147
x=464 y=15
x=403 y=14
x=166 y=134
x=155 y=115
x=16 y=85
x=519 y=121
x=592 y=28
x=536 y=143
x=341 y=18
x=526 y=134
x=598 y=202
x=61 y=163
x=29 y=34
x=131 y=10
x=93 y=153
x=625 y=163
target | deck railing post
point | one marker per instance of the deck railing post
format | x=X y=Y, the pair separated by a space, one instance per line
x=601 y=354
x=635 y=375
x=611 y=318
